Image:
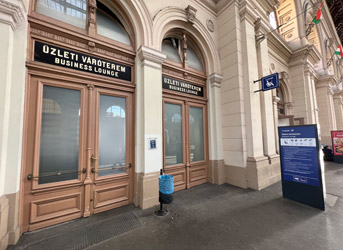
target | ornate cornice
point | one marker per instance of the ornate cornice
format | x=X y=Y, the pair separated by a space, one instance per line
x=14 y=11
x=146 y=53
x=307 y=53
x=247 y=12
x=215 y=78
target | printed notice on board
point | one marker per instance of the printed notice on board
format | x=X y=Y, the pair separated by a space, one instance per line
x=299 y=154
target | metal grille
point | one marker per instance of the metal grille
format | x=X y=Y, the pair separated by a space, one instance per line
x=88 y=235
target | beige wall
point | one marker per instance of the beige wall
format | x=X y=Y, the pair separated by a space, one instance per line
x=13 y=30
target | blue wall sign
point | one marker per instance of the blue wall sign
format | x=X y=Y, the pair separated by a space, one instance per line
x=300 y=165
x=270 y=82
x=299 y=154
x=152 y=143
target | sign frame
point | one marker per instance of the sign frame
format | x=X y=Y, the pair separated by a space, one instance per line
x=183 y=87
x=337 y=157
x=310 y=195
x=265 y=82
x=71 y=59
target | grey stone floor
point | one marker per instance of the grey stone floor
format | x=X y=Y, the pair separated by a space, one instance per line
x=221 y=217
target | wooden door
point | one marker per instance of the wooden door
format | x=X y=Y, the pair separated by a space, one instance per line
x=63 y=140
x=112 y=159
x=185 y=142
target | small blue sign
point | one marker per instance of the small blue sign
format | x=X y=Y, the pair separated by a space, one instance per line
x=152 y=144
x=299 y=154
x=270 y=82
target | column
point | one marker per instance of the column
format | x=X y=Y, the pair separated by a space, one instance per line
x=217 y=165
x=148 y=125
x=338 y=103
x=252 y=101
x=326 y=110
x=268 y=125
x=13 y=30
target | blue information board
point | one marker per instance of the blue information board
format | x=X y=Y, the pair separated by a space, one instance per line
x=270 y=82
x=299 y=154
x=300 y=165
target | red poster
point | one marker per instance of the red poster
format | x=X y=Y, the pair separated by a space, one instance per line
x=337 y=142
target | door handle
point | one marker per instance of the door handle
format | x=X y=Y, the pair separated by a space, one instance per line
x=93 y=158
x=93 y=170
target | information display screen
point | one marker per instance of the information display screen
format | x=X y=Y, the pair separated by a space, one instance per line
x=299 y=154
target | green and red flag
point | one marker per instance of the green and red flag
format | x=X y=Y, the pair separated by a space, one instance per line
x=339 y=52
x=316 y=19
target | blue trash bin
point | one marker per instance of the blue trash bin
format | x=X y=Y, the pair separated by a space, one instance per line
x=166 y=187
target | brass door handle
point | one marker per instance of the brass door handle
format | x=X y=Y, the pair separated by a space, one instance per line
x=93 y=158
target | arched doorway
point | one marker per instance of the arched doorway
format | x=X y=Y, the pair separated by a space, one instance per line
x=78 y=144
x=184 y=111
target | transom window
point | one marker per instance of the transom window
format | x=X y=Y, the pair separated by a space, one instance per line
x=74 y=12
x=183 y=51
x=69 y=11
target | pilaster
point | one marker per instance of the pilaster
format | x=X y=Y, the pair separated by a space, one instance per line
x=13 y=42
x=326 y=108
x=217 y=169
x=148 y=125
x=338 y=103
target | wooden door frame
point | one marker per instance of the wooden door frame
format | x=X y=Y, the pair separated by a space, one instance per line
x=186 y=103
x=69 y=81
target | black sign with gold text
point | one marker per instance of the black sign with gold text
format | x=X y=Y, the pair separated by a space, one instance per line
x=50 y=54
x=182 y=87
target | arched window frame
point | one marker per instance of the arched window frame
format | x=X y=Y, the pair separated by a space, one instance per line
x=183 y=50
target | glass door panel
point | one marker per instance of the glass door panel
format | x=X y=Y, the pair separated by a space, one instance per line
x=60 y=129
x=112 y=135
x=196 y=134
x=173 y=134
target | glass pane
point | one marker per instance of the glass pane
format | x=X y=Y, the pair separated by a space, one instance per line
x=193 y=60
x=171 y=47
x=112 y=135
x=108 y=25
x=173 y=134
x=59 y=144
x=69 y=11
x=196 y=134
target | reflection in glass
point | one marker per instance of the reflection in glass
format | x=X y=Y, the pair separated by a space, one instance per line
x=110 y=26
x=69 y=11
x=112 y=135
x=173 y=134
x=59 y=143
x=196 y=134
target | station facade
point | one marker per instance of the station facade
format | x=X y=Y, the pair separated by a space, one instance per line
x=98 y=96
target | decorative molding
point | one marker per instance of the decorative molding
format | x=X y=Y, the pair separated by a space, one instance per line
x=15 y=11
x=182 y=75
x=146 y=53
x=210 y=25
x=191 y=12
x=215 y=78
x=289 y=105
x=247 y=12
x=276 y=99
x=90 y=46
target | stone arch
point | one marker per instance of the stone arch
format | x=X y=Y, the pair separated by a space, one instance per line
x=171 y=18
x=285 y=87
